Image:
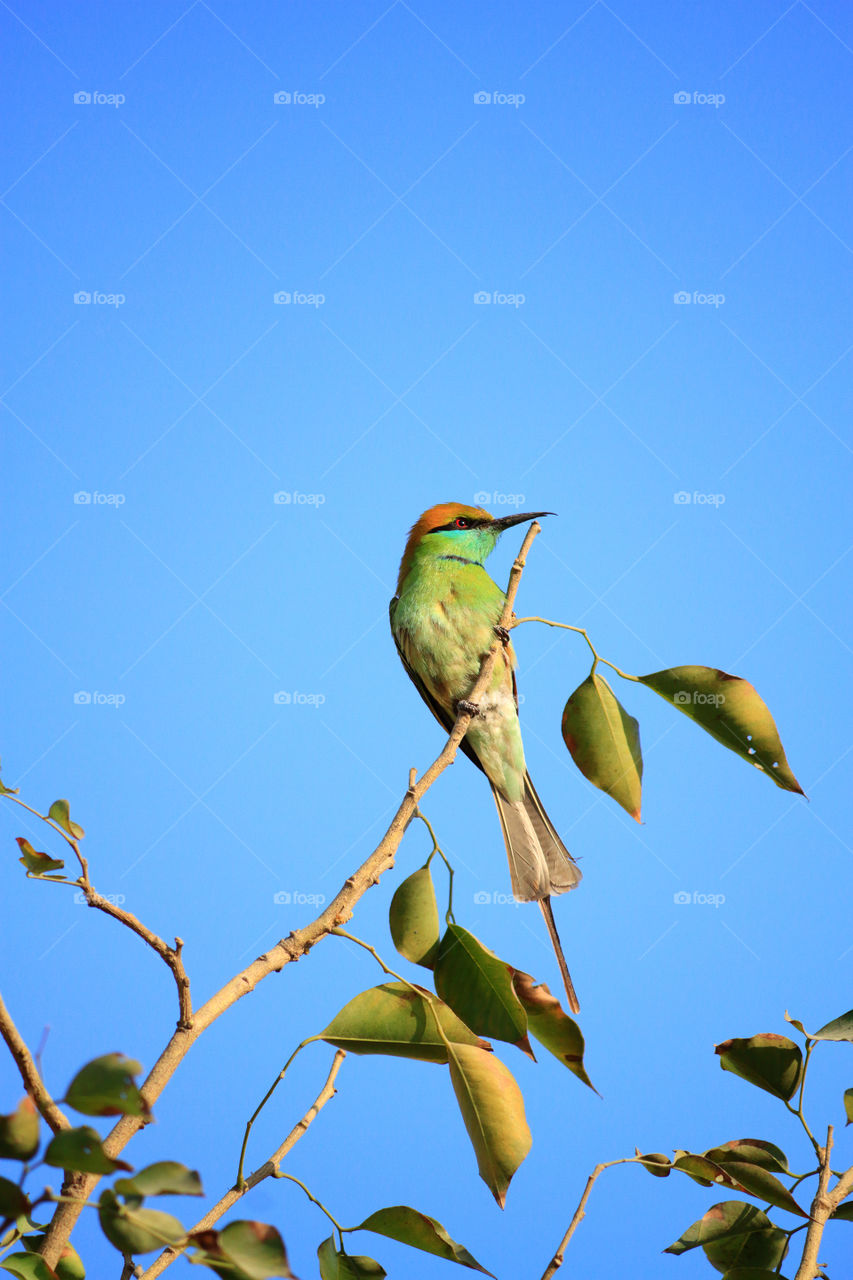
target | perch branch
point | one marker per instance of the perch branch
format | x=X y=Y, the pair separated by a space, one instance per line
x=30 y=1074
x=297 y=944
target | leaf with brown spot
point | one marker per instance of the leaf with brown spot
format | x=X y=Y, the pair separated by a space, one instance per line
x=769 y=1061
x=551 y=1026
x=729 y=708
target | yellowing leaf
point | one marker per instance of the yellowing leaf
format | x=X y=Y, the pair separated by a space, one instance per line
x=604 y=742
x=728 y=708
x=493 y=1111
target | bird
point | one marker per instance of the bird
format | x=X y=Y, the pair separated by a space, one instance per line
x=444 y=619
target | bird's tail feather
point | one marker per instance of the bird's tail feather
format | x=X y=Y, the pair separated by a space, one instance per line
x=539 y=864
x=545 y=904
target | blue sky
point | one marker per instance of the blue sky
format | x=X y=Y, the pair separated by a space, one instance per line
x=698 y=454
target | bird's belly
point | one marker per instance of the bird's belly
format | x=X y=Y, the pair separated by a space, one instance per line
x=446 y=645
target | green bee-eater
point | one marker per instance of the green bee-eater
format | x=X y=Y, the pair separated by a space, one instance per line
x=443 y=620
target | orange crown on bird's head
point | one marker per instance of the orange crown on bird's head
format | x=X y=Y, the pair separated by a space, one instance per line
x=435 y=518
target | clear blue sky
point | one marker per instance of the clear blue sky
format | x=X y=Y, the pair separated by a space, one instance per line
x=182 y=197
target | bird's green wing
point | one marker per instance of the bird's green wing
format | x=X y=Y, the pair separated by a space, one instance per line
x=442 y=716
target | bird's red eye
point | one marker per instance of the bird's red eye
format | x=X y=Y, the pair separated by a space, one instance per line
x=461 y=522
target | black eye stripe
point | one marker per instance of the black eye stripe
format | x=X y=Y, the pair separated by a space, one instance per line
x=470 y=523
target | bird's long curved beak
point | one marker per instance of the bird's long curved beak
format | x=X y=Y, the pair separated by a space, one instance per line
x=506 y=522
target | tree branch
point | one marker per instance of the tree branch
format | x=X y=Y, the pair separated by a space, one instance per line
x=580 y=1213
x=822 y=1207
x=269 y=1169
x=33 y=1082
x=296 y=945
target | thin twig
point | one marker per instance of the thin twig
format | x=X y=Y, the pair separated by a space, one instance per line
x=30 y=1074
x=580 y=1213
x=269 y=1169
x=299 y=942
x=171 y=956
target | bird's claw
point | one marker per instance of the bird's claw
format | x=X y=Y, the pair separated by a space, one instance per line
x=502 y=634
x=466 y=707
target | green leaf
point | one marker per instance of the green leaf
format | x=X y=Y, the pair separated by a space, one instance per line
x=58 y=811
x=165 y=1178
x=702 y=1170
x=844 y=1211
x=13 y=1202
x=418 y=1230
x=728 y=708
x=478 y=987
x=19 y=1132
x=604 y=742
x=394 y=1019
x=105 y=1087
x=243 y=1250
x=70 y=1264
x=657 y=1164
x=754 y=1151
x=752 y=1273
x=346 y=1266
x=838 y=1029
x=728 y=1218
x=493 y=1111
x=413 y=917
x=769 y=1061
x=763 y=1185
x=37 y=864
x=795 y=1022
x=848 y=1105
x=28 y=1266
x=133 y=1230
x=81 y=1150
x=551 y=1026
x=755 y=1250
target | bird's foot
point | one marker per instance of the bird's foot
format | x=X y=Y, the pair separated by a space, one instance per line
x=502 y=634
x=471 y=708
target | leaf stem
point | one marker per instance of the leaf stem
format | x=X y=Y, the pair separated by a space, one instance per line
x=596 y=656
x=437 y=849
x=240 y=1181
x=798 y=1110
x=340 y=1230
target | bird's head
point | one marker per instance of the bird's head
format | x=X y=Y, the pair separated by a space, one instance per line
x=453 y=529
